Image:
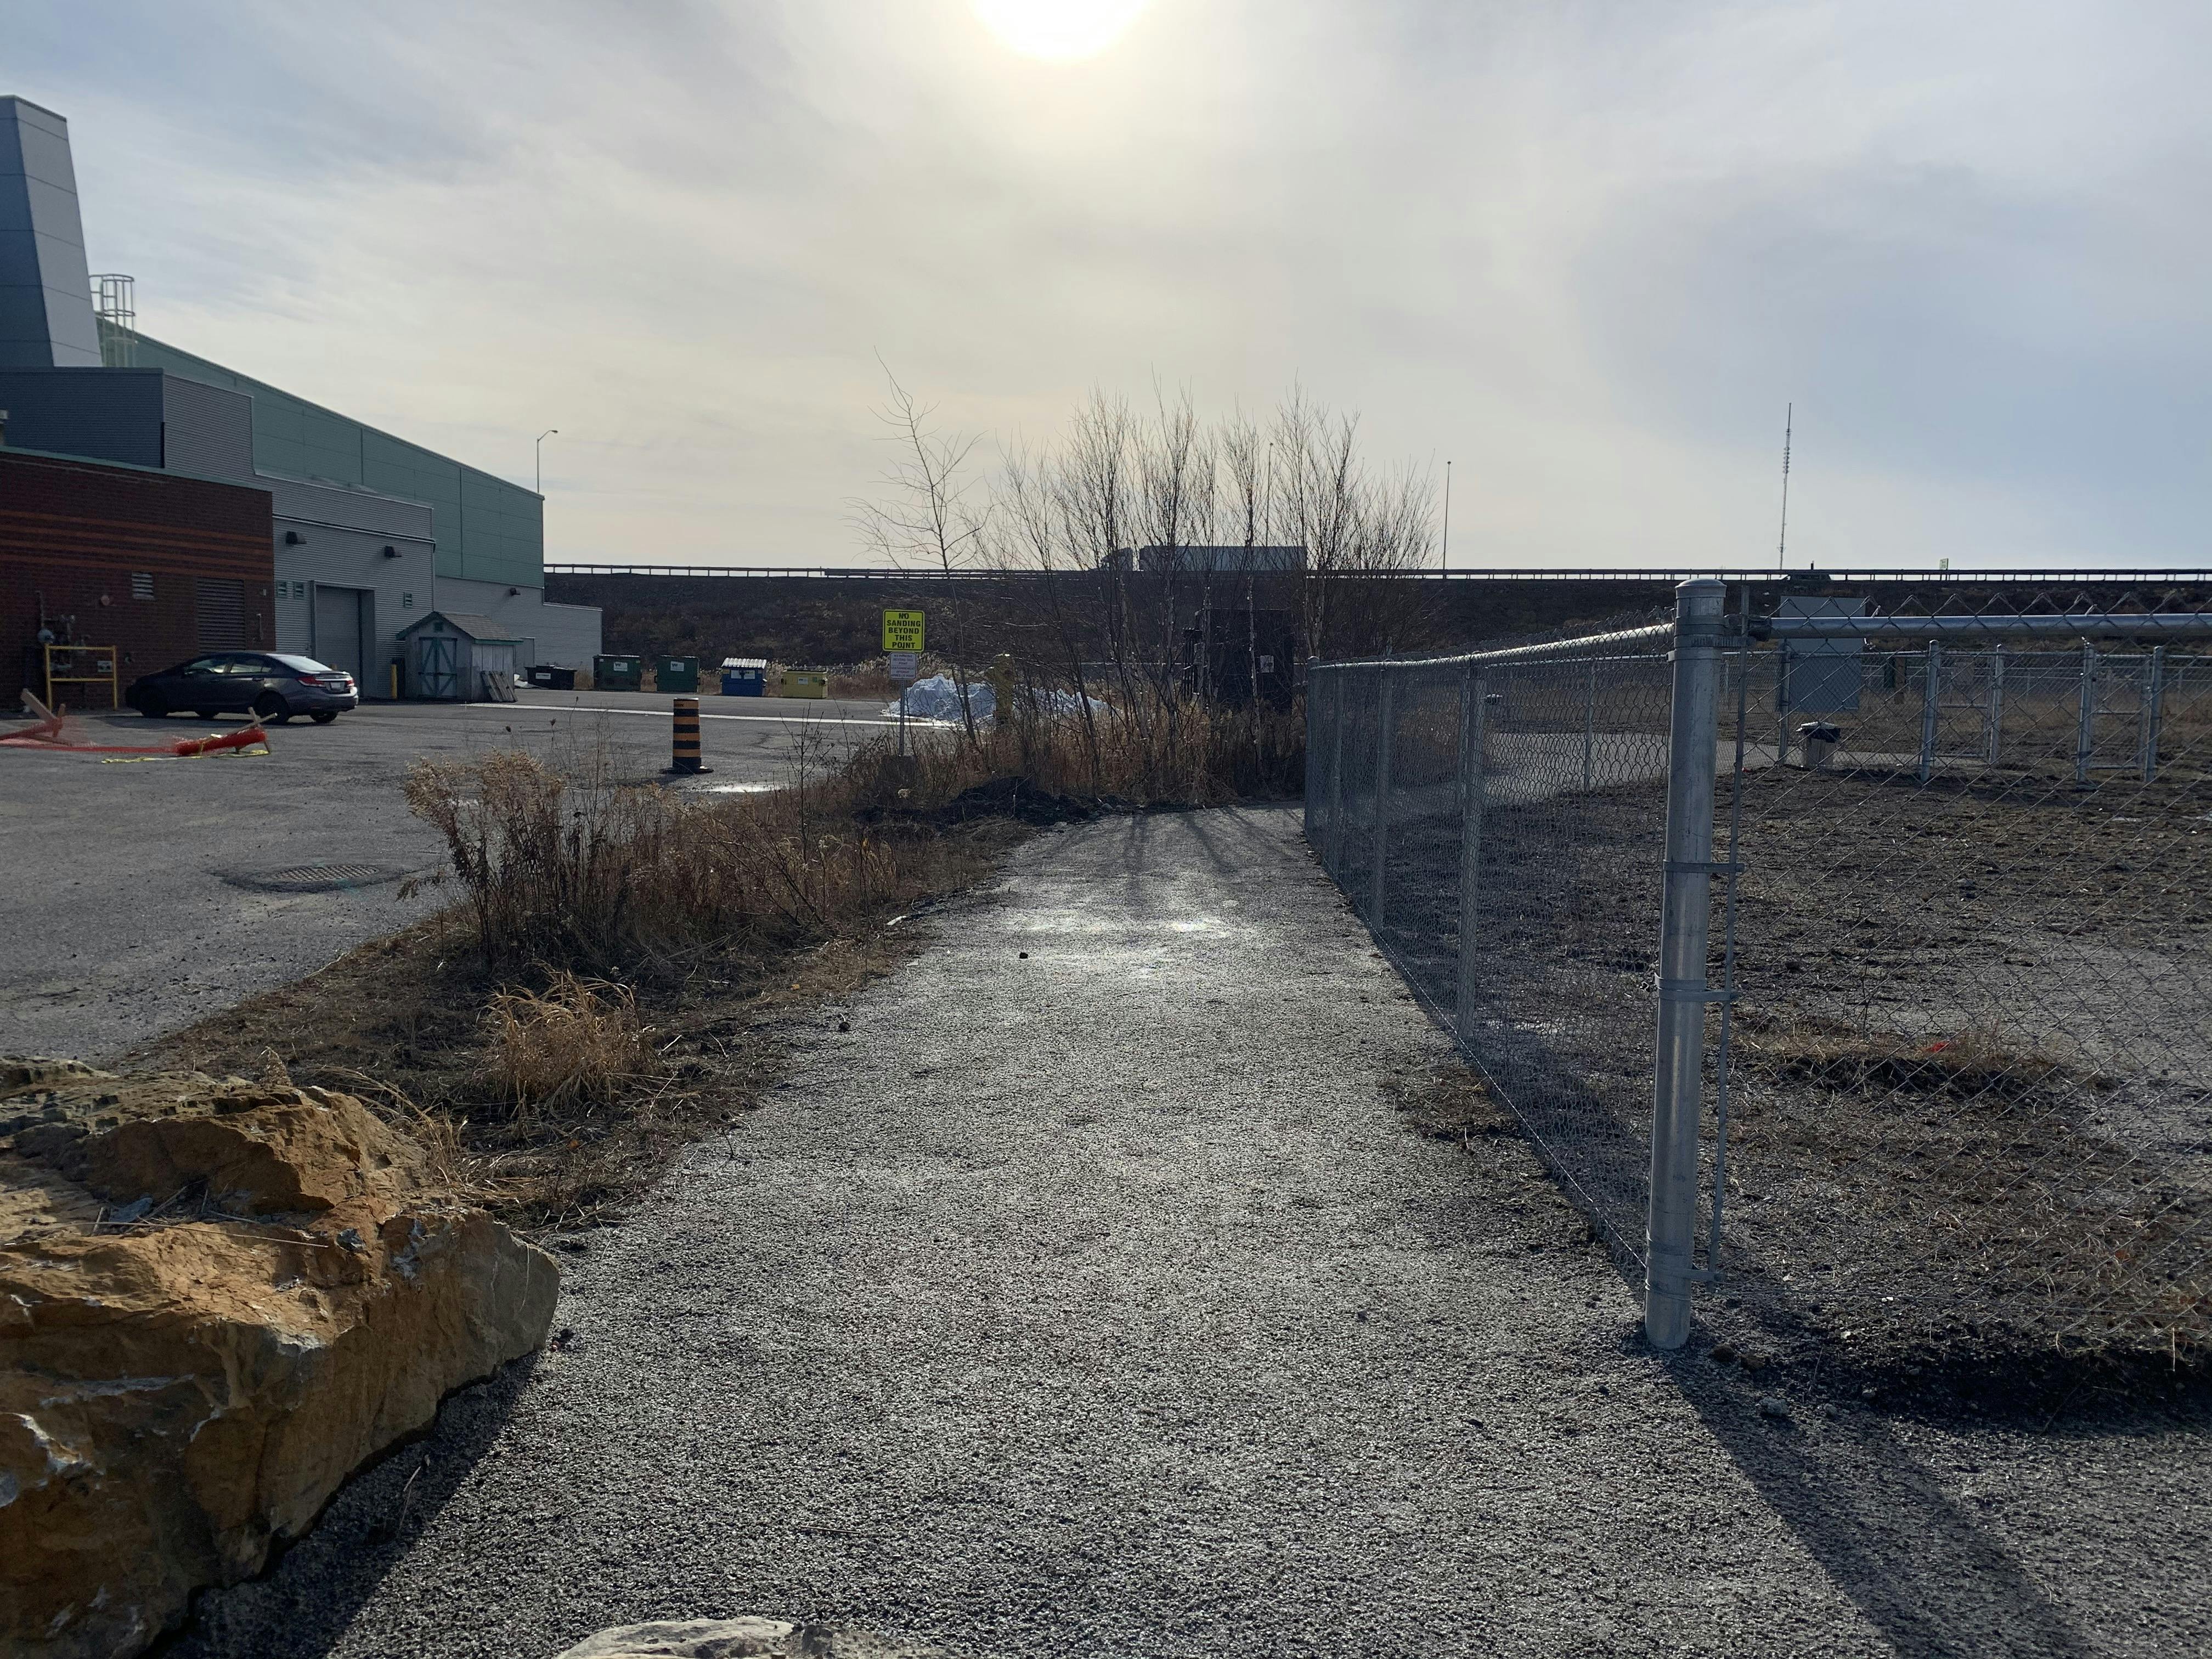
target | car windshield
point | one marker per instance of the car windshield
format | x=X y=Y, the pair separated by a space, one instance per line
x=303 y=664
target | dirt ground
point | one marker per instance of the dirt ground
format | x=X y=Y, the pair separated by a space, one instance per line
x=1971 y=1077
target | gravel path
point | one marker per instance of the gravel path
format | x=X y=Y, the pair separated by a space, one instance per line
x=1099 y=1302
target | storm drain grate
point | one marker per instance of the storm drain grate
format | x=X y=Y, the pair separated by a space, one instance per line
x=314 y=877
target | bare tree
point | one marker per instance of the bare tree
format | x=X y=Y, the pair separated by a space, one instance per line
x=1032 y=531
x=931 y=519
x=1151 y=548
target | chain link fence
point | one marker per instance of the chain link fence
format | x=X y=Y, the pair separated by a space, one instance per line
x=1859 y=963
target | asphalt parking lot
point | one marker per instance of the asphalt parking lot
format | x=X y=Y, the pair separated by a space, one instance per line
x=145 y=894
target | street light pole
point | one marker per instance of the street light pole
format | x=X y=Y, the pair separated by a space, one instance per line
x=550 y=431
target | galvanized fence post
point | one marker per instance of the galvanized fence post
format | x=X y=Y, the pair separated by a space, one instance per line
x=1386 y=740
x=2154 y=711
x=1313 y=772
x=1686 y=922
x=1334 y=834
x=1473 y=717
x=1927 y=694
x=1589 y=729
x=2085 y=728
x=1996 y=705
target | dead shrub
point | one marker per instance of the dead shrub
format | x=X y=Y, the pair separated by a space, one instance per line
x=577 y=1043
x=563 y=868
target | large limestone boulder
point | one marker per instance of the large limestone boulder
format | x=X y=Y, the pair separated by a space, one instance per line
x=217 y=1298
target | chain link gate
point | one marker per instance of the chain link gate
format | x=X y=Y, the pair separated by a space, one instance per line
x=1921 y=903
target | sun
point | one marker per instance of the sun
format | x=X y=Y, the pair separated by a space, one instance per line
x=1057 y=31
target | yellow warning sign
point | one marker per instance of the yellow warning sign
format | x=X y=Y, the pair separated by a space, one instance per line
x=902 y=630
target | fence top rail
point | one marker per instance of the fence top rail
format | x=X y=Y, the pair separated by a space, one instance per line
x=1812 y=581
x=2083 y=625
x=1656 y=634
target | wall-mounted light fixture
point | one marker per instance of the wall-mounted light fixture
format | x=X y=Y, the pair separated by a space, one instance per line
x=513 y=592
x=293 y=538
x=391 y=552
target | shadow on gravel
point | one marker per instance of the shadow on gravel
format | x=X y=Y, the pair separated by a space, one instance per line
x=1926 y=1574
x=1865 y=1506
x=300 y=1607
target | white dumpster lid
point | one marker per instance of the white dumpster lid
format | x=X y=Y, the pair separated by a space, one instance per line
x=745 y=662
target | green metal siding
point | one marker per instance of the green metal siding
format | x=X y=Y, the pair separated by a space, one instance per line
x=487 y=529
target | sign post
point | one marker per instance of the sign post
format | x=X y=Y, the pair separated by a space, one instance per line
x=903 y=642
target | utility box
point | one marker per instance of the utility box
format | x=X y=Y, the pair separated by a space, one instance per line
x=618 y=672
x=745 y=676
x=806 y=683
x=676 y=673
x=548 y=678
x=1817 y=741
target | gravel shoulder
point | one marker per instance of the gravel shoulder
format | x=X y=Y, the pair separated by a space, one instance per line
x=1101 y=1300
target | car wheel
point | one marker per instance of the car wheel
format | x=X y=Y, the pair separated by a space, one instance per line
x=324 y=716
x=272 y=709
x=152 y=705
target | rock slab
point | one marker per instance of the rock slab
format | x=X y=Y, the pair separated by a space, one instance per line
x=736 y=1638
x=218 y=1298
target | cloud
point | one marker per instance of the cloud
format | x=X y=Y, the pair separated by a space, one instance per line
x=1586 y=251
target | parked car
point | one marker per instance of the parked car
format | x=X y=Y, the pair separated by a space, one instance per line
x=274 y=685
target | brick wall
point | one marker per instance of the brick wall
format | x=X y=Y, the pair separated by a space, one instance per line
x=85 y=539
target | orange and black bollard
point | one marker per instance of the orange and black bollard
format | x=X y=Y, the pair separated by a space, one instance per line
x=686 y=758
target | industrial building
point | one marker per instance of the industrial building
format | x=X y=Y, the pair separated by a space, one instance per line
x=368 y=532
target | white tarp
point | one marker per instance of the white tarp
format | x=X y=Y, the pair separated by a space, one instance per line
x=937 y=698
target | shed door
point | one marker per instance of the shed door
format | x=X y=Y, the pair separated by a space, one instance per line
x=438 y=667
x=222 y=614
x=339 y=632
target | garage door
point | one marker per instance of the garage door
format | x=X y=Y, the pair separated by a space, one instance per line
x=339 y=632
x=221 y=615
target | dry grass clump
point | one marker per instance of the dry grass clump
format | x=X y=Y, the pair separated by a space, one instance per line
x=1898 y=1172
x=572 y=871
x=578 y=1042
x=1976 y=1061
x=1146 y=750
x=864 y=679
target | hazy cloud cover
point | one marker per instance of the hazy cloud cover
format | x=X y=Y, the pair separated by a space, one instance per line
x=1585 y=251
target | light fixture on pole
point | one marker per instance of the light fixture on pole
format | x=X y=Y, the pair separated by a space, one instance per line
x=550 y=431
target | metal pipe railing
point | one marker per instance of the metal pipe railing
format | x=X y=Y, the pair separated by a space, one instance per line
x=2100 y=625
x=1685 y=933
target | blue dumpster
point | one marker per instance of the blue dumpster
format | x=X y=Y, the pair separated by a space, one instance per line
x=745 y=676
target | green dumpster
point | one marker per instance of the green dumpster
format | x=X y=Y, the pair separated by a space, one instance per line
x=618 y=672
x=676 y=673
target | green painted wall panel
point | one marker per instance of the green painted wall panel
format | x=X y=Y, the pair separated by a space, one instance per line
x=487 y=529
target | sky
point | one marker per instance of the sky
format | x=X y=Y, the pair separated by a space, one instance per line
x=1586 y=250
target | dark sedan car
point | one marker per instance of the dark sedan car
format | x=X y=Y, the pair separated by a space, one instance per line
x=271 y=685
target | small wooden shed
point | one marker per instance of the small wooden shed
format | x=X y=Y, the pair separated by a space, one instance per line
x=456 y=658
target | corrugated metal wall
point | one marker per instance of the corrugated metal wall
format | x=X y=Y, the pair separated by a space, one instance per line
x=488 y=530
x=206 y=430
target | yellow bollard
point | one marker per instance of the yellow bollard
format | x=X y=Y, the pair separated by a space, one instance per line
x=686 y=757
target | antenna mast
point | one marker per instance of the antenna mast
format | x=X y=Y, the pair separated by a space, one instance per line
x=1444 y=558
x=1782 y=547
